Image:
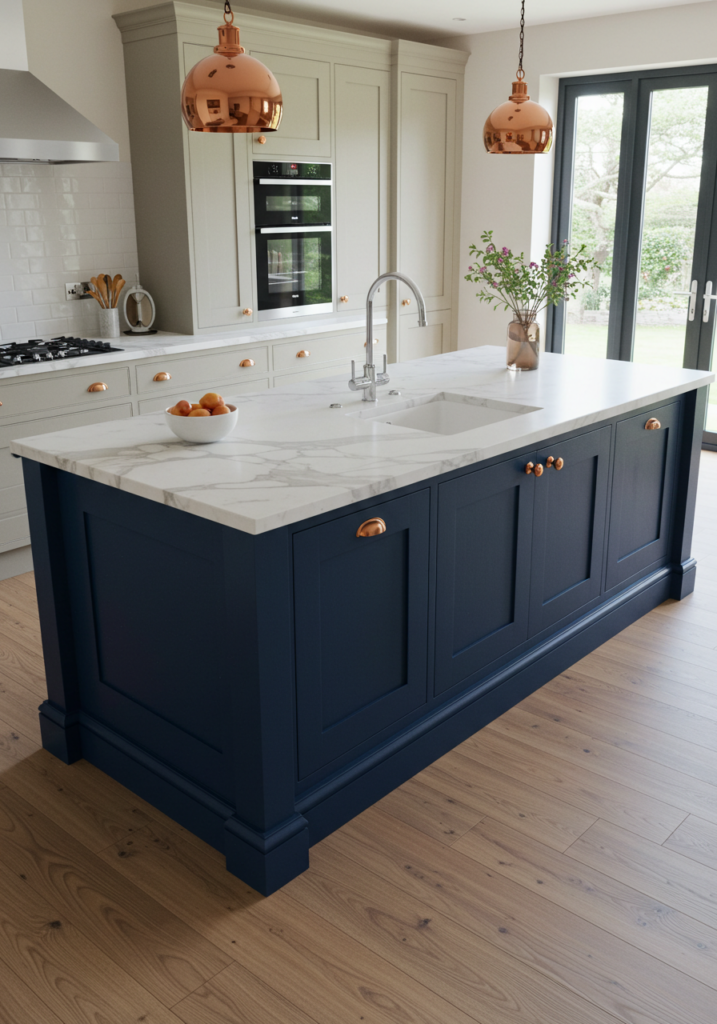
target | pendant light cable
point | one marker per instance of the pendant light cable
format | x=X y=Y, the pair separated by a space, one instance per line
x=228 y=11
x=520 y=74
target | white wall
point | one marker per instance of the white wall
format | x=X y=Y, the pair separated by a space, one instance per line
x=512 y=194
x=67 y=222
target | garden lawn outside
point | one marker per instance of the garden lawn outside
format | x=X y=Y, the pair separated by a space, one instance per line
x=660 y=346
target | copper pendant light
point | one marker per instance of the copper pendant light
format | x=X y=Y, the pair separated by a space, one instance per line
x=230 y=91
x=519 y=125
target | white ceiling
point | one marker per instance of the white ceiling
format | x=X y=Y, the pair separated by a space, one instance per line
x=430 y=19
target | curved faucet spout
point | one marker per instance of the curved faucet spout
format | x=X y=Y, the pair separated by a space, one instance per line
x=370 y=379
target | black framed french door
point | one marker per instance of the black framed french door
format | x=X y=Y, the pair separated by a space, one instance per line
x=636 y=182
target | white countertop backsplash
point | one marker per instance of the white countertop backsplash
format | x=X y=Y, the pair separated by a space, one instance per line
x=160 y=344
x=292 y=457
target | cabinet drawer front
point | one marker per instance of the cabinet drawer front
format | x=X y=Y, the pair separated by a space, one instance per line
x=320 y=350
x=484 y=546
x=55 y=392
x=569 y=528
x=197 y=371
x=361 y=628
x=642 y=500
x=229 y=391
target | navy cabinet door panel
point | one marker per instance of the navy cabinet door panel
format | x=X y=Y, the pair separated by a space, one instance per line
x=131 y=576
x=569 y=528
x=642 y=492
x=361 y=618
x=483 y=573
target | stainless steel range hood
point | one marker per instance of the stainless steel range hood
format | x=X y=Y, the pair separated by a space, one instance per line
x=35 y=123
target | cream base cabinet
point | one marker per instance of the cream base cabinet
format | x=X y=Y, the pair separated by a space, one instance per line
x=363 y=138
x=418 y=342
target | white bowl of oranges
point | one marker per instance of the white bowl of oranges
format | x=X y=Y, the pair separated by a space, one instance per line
x=209 y=419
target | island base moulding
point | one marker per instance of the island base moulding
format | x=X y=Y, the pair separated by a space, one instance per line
x=245 y=716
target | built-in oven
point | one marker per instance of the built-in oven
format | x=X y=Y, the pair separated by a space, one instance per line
x=292 y=215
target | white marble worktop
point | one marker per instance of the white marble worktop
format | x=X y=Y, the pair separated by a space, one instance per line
x=292 y=457
x=161 y=344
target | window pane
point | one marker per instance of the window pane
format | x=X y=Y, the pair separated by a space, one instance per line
x=598 y=129
x=674 y=167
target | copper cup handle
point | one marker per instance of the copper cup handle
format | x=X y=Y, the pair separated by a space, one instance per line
x=302 y=353
x=371 y=528
x=653 y=424
x=99 y=386
x=162 y=376
x=247 y=362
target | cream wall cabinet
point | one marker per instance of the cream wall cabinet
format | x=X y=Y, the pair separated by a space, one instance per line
x=363 y=140
x=418 y=342
x=386 y=113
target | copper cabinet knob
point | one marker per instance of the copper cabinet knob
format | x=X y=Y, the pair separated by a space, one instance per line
x=653 y=424
x=303 y=353
x=247 y=312
x=406 y=302
x=162 y=376
x=247 y=362
x=555 y=463
x=99 y=386
x=532 y=468
x=371 y=528
x=261 y=140
x=344 y=298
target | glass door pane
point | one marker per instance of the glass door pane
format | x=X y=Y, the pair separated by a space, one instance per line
x=598 y=130
x=672 y=189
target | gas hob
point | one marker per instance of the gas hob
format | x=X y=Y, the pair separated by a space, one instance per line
x=38 y=351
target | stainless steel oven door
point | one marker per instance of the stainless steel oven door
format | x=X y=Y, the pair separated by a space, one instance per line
x=294 y=271
x=278 y=202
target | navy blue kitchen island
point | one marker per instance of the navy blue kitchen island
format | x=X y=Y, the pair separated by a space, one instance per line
x=262 y=688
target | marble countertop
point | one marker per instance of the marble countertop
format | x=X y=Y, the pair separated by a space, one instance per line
x=161 y=344
x=291 y=456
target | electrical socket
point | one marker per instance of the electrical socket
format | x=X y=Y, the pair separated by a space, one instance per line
x=76 y=290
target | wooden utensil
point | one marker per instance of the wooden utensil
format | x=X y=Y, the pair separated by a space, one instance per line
x=94 y=295
x=96 y=283
x=102 y=289
x=120 y=285
x=108 y=287
x=115 y=289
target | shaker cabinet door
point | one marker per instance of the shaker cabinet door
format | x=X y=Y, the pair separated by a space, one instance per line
x=483 y=575
x=642 y=502
x=361 y=623
x=305 y=128
x=362 y=129
x=569 y=527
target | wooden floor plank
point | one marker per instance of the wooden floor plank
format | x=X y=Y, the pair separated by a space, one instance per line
x=696 y=839
x=659 y=646
x=63 y=968
x=658 y=872
x=15 y=747
x=236 y=997
x=553 y=821
x=691 y=795
x=434 y=950
x=438 y=813
x=19 y=1004
x=25 y=668
x=159 y=951
x=329 y=976
x=651 y=926
x=594 y=794
x=596 y=965
x=700 y=762
x=676 y=682
x=659 y=715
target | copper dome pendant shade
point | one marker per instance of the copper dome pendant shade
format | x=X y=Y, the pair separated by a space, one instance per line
x=230 y=91
x=520 y=125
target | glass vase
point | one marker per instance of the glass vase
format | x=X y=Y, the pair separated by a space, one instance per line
x=523 y=346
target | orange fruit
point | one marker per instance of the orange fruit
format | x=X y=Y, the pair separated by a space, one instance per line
x=183 y=407
x=174 y=411
x=211 y=400
x=220 y=410
x=200 y=412
x=196 y=405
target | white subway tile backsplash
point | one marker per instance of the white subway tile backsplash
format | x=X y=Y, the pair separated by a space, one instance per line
x=59 y=224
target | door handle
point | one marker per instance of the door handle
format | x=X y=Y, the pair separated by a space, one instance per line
x=693 y=298
x=707 y=297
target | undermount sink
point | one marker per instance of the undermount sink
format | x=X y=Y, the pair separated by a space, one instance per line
x=445 y=413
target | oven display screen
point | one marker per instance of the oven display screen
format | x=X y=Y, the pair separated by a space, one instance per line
x=290 y=204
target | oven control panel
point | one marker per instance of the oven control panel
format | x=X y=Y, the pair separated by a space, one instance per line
x=305 y=172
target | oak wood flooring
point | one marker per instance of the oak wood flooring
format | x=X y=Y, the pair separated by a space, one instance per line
x=559 y=867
